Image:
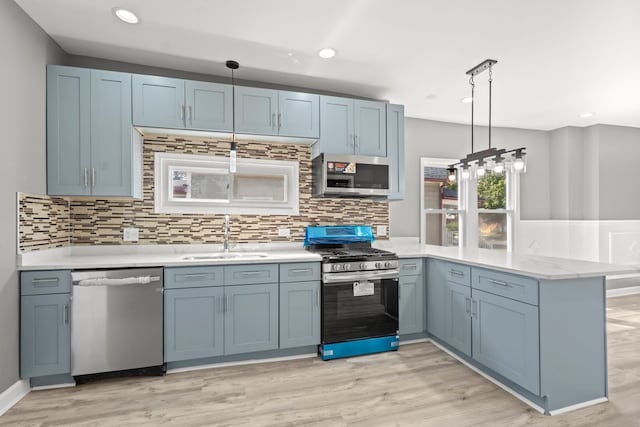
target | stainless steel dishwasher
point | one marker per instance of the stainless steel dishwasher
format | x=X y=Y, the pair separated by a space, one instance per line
x=116 y=320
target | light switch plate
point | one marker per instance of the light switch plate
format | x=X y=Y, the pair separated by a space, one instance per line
x=284 y=232
x=381 y=230
x=130 y=234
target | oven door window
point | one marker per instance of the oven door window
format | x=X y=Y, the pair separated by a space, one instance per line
x=346 y=316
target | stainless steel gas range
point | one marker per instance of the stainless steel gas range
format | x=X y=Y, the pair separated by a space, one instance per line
x=359 y=291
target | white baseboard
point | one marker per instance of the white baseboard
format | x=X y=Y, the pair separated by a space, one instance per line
x=13 y=395
x=619 y=292
x=578 y=406
x=240 y=362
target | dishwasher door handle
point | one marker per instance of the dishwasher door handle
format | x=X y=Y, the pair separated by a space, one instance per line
x=103 y=281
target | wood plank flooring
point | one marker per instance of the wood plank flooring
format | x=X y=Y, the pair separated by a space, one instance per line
x=417 y=386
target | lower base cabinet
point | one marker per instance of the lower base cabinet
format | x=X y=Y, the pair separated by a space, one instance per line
x=411 y=304
x=299 y=314
x=457 y=322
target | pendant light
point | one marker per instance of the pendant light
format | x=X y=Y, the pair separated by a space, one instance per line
x=492 y=159
x=233 y=65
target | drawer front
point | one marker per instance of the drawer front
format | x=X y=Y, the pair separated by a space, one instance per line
x=457 y=273
x=250 y=274
x=300 y=272
x=193 y=277
x=411 y=267
x=45 y=282
x=519 y=288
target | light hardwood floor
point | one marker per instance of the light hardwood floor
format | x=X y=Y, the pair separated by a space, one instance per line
x=418 y=385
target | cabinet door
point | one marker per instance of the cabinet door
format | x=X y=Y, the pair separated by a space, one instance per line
x=336 y=125
x=68 y=130
x=458 y=317
x=299 y=314
x=45 y=335
x=193 y=323
x=256 y=110
x=209 y=106
x=411 y=304
x=370 y=128
x=251 y=318
x=505 y=338
x=395 y=149
x=111 y=143
x=158 y=102
x=298 y=114
x=436 y=292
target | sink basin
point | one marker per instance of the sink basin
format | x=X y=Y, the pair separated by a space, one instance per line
x=224 y=255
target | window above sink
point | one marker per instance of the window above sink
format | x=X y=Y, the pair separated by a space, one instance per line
x=187 y=183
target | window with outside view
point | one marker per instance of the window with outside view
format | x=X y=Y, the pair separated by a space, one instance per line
x=492 y=211
x=440 y=205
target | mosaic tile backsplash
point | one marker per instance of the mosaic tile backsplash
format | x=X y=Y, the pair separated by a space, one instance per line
x=44 y=222
x=101 y=221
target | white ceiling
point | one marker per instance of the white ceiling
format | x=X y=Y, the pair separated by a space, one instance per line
x=556 y=59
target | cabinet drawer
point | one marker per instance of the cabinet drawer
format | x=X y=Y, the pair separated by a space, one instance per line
x=299 y=272
x=250 y=274
x=410 y=267
x=193 y=277
x=457 y=273
x=45 y=282
x=519 y=288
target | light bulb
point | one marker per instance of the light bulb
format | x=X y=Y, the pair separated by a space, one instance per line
x=499 y=167
x=232 y=158
x=452 y=174
x=518 y=164
x=465 y=173
x=481 y=170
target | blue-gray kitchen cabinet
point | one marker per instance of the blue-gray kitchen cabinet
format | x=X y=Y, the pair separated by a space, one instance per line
x=91 y=146
x=193 y=323
x=411 y=302
x=163 y=102
x=352 y=126
x=299 y=314
x=395 y=149
x=251 y=318
x=457 y=320
x=272 y=112
x=45 y=324
x=505 y=338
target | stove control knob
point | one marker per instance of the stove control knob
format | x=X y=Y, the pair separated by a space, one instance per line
x=387 y=264
x=378 y=265
x=335 y=267
x=363 y=266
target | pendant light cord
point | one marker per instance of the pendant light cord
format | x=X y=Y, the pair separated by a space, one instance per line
x=233 y=106
x=490 y=84
x=473 y=100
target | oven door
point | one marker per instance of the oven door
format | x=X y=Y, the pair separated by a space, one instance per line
x=359 y=308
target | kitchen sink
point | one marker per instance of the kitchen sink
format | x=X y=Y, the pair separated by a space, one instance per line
x=224 y=255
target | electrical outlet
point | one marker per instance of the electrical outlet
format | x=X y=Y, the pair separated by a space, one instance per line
x=381 y=230
x=284 y=232
x=130 y=234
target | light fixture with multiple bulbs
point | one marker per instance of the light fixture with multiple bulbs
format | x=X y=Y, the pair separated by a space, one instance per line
x=494 y=159
x=125 y=15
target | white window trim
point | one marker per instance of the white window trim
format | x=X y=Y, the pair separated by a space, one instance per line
x=164 y=163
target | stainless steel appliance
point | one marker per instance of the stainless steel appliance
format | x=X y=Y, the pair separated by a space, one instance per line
x=340 y=175
x=359 y=292
x=116 y=320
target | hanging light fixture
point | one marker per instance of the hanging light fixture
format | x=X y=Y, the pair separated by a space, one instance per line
x=491 y=158
x=233 y=65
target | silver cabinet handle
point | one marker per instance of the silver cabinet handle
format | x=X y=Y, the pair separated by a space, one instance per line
x=456 y=273
x=194 y=276
x=499 y=283
x=190 y=115
x=250 y=273
x=273 y=120
x=182 y=107
x=468 y=305
x=300 y=270
x=409 y=266
x=38 y=282
x=86 y=177
x=355 y=141
x=352 y=140
x=229 y=301
x=219 y=304
x=474 y=308
x=66 y=314
x=317 y=297
x=93 y=177
x=279 y=120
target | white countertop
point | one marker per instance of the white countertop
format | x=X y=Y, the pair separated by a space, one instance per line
x=114 y=256
x=540 y=267
x=93 y=257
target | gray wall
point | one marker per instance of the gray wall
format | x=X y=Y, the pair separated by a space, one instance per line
x=26 y=50
x=427 y=138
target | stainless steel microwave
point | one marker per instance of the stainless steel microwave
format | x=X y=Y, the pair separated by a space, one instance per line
x=341 y=175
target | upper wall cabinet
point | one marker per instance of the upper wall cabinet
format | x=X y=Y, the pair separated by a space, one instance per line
x=181 y=104
x=352 y=126
x=273 y=112
x=395 y=149
x=92 y=149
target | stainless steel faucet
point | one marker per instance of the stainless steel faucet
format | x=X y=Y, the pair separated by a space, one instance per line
x=227 y=233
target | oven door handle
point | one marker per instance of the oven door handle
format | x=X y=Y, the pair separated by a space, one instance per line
x=333 y=278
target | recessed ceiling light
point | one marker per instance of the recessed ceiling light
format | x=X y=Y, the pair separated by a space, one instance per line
x=587 y=115
x=327 y=53
x=466 y=100
x=125 y=15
